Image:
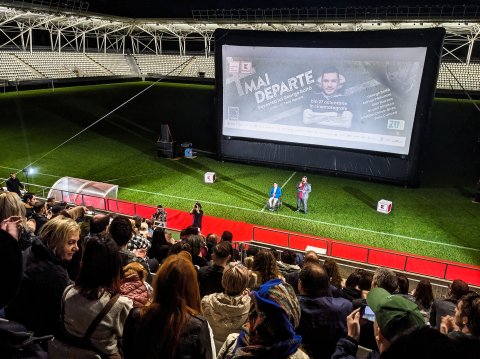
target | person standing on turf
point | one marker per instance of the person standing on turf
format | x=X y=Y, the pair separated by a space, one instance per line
x=303 y=190
x=197 y=214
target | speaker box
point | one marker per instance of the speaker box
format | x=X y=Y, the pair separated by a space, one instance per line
x=165 y=133
x=166 y=149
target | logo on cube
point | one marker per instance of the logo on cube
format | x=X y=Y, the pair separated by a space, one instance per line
x=210 y=177
x=384 y=206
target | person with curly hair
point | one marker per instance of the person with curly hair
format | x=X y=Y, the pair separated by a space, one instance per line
x=265 y=267
x=331 y=266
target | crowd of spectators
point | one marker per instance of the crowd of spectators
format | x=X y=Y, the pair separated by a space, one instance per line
x=98 y=285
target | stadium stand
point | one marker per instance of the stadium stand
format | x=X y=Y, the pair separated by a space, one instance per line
x=170 y=65
x=13 y=68
x=114 y=63
x=62 y=65
x=202 y=64
x=20 y=66
x=458 y=76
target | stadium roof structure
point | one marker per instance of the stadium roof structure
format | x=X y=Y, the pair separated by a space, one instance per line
x=60 y=29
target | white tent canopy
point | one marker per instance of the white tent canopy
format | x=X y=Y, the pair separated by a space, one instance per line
x=83 y=192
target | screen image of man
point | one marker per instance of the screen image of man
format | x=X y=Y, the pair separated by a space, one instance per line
x=274 y=195
x=329 y=107
x=303 y=191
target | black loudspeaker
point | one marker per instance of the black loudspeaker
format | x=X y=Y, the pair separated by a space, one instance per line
x=166 y=149
x=165 y=134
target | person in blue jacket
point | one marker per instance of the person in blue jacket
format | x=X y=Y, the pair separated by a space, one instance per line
x=274 y=196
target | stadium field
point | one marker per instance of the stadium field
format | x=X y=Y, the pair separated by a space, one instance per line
x=44 y=128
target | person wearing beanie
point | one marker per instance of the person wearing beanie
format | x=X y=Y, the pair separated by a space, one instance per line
x=270 y=331
x=394 y=316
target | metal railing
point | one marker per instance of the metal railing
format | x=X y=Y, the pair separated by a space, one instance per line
x=439 y=286
x=332 y=248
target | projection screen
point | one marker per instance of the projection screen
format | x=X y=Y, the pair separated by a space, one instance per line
x=327 y=102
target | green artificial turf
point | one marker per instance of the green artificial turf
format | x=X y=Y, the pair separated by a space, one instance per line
x=437 y=219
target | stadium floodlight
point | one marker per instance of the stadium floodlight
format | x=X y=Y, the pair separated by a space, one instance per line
x=28 y=171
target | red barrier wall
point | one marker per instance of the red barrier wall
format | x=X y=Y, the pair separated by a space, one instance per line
x=387 y=259
x=243 y=231
x=425 y=266
x=301 y=242
x=350 y=252
x=271 y=237
x=469 y=275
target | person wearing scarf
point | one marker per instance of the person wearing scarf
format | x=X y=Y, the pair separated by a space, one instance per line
x=270 y=330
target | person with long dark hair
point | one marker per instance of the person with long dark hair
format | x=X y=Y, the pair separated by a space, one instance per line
x=423 y=295
x=170 y=328
x=331 y=266
x=160 y=246
x=97 y=287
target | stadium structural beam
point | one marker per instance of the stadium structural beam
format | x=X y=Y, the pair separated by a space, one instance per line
x=81 y=31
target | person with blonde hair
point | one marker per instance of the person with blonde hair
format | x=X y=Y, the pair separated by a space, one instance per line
x=12 y=206
x=37 y=304
x=227 y=312
x=170 y=327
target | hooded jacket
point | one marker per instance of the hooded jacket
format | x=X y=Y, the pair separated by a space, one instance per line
x=226 y=314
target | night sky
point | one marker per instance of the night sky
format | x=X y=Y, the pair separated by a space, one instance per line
x=183 y=8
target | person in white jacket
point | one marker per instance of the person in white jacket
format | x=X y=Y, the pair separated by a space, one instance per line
x=227 y=312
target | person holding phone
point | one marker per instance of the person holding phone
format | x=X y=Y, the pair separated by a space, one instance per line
x=394 y=316
x=197 y=214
